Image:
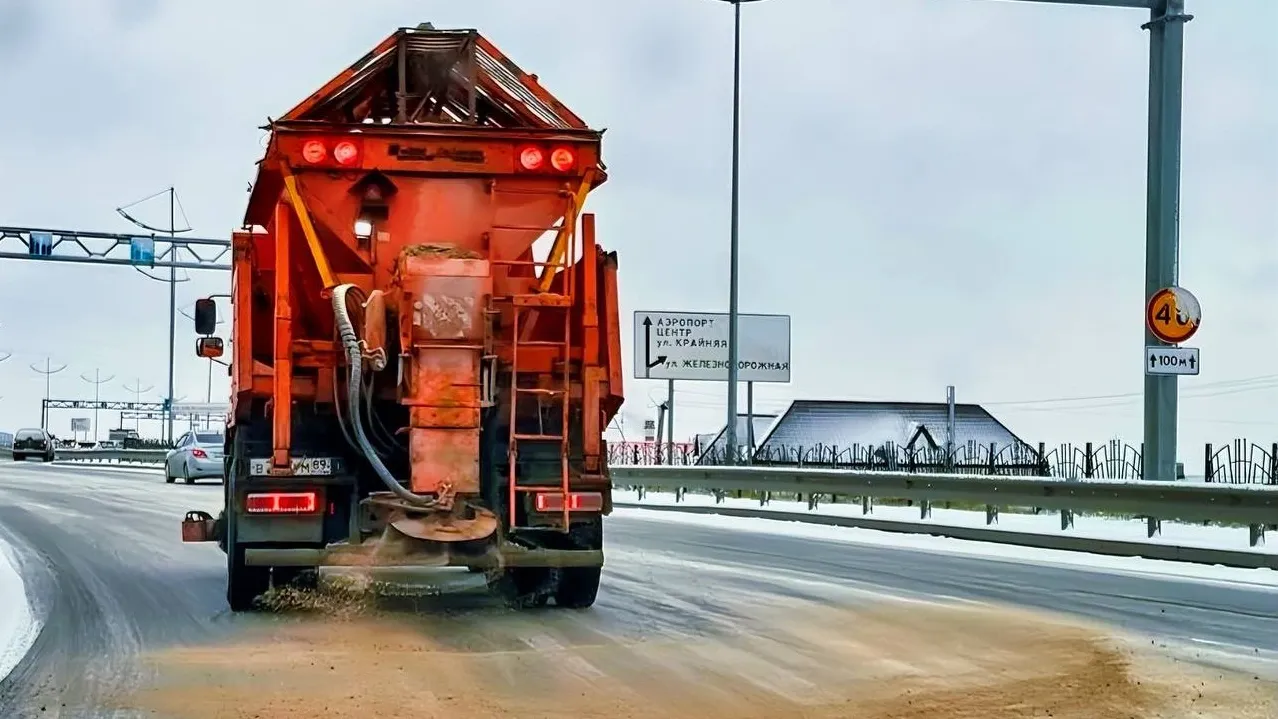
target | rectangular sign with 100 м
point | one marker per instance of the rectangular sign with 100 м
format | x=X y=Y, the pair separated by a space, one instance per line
x=694 y=346
x=1171 y=360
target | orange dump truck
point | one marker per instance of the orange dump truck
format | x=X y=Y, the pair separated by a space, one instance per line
x=411 y=385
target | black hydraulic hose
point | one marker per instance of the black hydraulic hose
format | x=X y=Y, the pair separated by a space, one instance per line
x=355 y=363
x=377 y=432
x=341 y=419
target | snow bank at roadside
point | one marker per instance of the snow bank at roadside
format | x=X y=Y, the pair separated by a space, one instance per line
x=18 y=625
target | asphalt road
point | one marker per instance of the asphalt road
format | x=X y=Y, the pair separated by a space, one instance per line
x=102 y=559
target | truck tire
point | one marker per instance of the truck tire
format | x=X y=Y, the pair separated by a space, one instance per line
x=244 y=584
x=578 y=587
x=526 y=587
x=299 y=577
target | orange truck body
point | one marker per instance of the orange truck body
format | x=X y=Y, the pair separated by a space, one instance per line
x=417 y=182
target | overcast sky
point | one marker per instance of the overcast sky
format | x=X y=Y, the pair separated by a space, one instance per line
x=938 y=191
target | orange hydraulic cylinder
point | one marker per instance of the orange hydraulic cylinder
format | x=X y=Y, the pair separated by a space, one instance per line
x=282 y=394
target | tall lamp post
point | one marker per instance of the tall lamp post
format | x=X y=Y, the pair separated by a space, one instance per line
x=137 y=391
x=730 y=430
x=48 y=373
x=172 y=279
x=97 y=383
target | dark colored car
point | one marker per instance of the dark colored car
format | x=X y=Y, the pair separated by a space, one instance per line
x=32 y=443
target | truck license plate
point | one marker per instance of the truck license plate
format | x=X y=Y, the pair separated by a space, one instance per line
x=299 y=467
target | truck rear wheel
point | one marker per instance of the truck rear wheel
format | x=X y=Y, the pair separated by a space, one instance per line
x=297 y=577
x=526 y=587
x=578 y=587
x=244 y=584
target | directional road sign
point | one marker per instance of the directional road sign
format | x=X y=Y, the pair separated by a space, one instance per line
x=201 y=408
x=142 y=250
x=1171 y=360
x=1173 y=315
x=694 y=346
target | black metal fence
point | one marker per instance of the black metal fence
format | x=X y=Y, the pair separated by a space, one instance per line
x=1237 y=462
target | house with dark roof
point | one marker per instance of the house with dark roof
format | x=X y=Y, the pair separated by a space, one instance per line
x=887 y=435
x=711 y=446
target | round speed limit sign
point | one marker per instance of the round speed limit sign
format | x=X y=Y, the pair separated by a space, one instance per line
x=1173 y=315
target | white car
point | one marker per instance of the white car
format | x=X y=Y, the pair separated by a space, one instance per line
x=197 y=455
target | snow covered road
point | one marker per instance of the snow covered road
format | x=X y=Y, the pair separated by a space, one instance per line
x=703 y=616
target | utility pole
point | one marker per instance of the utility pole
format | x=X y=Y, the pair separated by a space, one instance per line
x=172 y=309
x=730 y=431
x=97 y=383
x=48 y=373
x=137 y=398
x=172 y=279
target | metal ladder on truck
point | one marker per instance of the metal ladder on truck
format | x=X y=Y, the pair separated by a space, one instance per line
x=526 y=310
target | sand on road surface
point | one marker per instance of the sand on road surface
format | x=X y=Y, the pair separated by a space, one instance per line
x=879 y=660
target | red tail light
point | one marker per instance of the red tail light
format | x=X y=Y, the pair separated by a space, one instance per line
x=281 y=503
x=199 y=453
x=563 y=159
x=532 y=158
x=346 y=153
x=535 y=158
x=314 y=152
x=577 y=502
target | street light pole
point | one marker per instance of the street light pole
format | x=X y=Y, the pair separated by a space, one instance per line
x=172 y=279
x=172 y=308
x=48 y=373
x=730 y=430
x=137 y=398
x=97 y=382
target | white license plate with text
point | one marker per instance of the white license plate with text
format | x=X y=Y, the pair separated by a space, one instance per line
x=299 y=467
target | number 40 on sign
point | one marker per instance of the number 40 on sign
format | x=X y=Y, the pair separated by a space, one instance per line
x=1173 y=316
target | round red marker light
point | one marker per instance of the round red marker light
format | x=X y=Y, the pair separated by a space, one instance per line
x=563 y=159
x=346 y=153
x=532 y=158
x=314 y=151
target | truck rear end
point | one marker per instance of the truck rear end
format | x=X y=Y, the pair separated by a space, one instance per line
x=413 y=385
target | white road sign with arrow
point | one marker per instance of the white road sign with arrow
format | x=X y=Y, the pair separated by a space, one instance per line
x=1171 y=360
x=694 y=346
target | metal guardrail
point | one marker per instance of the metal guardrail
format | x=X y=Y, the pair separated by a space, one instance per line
x=1242 y=504
x=1255 y=506
x=104 y=456
x=1238 y=504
